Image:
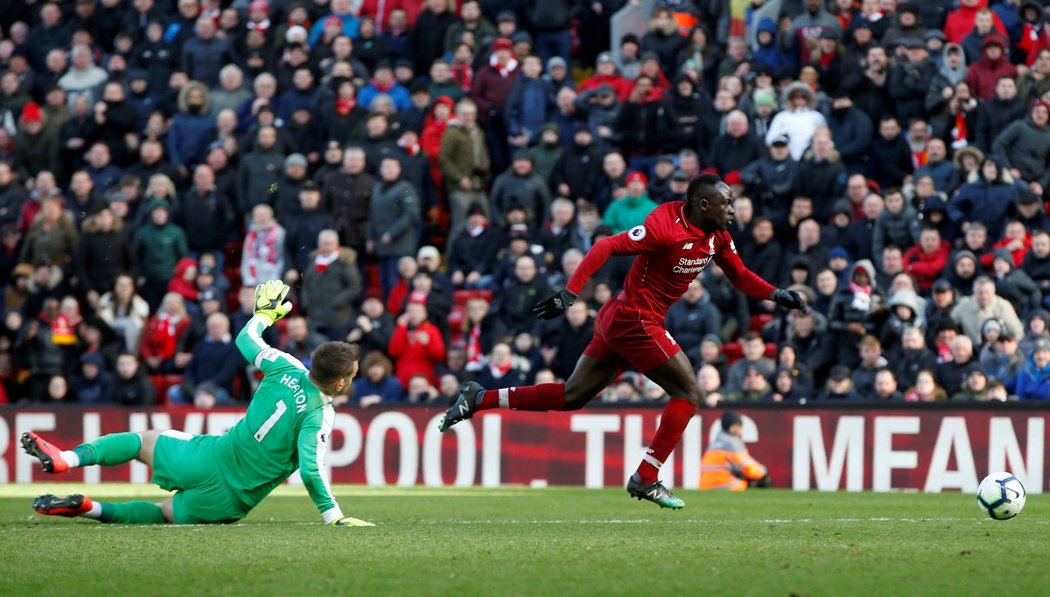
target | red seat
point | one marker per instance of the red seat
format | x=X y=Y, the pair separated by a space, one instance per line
x=460 y=297
x=161 y=383
x=771 y=350
x=760 y=321
x=734 y=351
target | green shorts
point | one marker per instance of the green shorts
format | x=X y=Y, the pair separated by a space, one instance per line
x=187 y=464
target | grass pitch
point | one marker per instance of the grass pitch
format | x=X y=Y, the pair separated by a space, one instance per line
x=537 y=542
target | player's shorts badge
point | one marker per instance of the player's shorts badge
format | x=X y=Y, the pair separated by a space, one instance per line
x=637 y=233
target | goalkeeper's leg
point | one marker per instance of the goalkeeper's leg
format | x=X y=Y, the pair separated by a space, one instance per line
x=137 y=512
x=108 y=450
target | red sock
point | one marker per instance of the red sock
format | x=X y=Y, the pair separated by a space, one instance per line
x=542 y=397
x=673 y=422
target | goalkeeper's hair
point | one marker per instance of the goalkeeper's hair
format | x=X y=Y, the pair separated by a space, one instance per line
x=703 y=187
x=333 y=360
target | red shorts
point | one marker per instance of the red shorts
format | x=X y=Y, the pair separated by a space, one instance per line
x=628 y=335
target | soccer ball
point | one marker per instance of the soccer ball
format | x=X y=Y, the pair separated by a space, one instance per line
x=1001 y=496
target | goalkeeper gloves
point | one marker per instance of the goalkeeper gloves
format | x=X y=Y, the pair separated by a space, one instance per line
x=350 y=521
x=789 y=299
x=269 y=300
x=554 y=305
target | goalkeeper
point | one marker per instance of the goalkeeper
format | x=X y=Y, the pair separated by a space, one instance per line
x=219 y=479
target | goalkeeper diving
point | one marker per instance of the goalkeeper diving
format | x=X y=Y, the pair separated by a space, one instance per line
x=220 y=478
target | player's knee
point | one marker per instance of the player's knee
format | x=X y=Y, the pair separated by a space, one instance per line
x=694 y=395
x=575 y=402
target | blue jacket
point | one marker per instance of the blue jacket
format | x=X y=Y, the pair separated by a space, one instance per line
x=1033 y=384
x=188 y=137
x=528 y=105
x=389 y=389
x=217 y=362
x=852 y=131
x=350 y=25
x=400 y=95
x=945 y=176
x=770 y=54
x=293 y=100
x=989 y=203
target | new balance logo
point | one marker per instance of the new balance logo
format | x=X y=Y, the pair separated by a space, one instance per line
x=464 y=408
x=687 y=246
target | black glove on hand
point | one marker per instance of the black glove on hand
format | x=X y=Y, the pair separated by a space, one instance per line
x=554 y=305
x=789 y=299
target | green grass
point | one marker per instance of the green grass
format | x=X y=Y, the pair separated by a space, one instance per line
x=539 y=542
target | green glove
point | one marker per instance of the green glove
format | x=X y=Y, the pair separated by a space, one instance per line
x=269 y=300
x=350 y=521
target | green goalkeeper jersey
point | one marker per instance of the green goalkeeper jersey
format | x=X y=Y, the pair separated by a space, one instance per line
x=288 y=426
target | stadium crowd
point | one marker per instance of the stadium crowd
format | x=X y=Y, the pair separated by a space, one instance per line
x=423 y=173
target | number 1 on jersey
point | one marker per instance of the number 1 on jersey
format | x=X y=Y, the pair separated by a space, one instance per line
x=278 y=411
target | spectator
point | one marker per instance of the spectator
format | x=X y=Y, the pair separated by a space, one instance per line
x=394 y=220
x=163 y=332
x=885 y=389
x=204 y=213
x=1015 y=285
x=103 y=254
x=897 y=225
x=987 y=198
x=529 y=104
x=851 y=309
x=692 y=318
x=83 y=78
x=926 y=260
x=821 y=172
x=472 y=255
x=377 y=385
x=204 y=55
x=464 y=161
x=124 y=312
x=259 y=170
x=754 y=357
x=263 y=256
x=416 y=344
x=520 y=186
x=891 y=154
x=502 y=369
x=1025 y=148
x=630 y=210
x=515 y=303
x=971 y=311
x=130 y=386
x=1037 y=263
x=330 y=286
x=191 y=127
x=754 y=387
x=839 y=385
x=737 y=148
x=157 y=247
x=1034 y=83
x=564 y=342
x=52 y=239
x=576 y=172
x=983 y=75
x=1034 y=381
x=798 y=121
x=215 y=362
x=92 y=384
x=997 y=114
x=373 y=327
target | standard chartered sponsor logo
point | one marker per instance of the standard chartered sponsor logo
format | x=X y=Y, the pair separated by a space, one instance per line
x=691 y=266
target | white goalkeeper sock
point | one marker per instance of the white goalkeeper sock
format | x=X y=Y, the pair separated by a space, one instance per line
x=71 y=458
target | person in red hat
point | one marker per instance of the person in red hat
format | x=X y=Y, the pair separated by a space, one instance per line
x=417 y=345
x=490 y=92
x=673 y=246
x=631 y=209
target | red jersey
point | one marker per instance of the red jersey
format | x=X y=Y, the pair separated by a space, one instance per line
x=671 y=253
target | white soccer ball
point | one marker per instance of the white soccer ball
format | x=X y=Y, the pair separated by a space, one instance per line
x=1001 y=496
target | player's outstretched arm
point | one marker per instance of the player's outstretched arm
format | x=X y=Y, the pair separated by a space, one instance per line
x=753 y=285
x=269 y=307
x=313 y=453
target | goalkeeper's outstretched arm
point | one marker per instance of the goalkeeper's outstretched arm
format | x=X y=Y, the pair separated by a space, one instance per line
x=313 y=452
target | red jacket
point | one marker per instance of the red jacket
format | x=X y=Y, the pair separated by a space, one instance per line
x=1018 y=255
x=620 y=86
x=985 y=74
x=490 y=91
x=162 y=338
x=926 y=267
x=960 y=22
x=413 y=357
